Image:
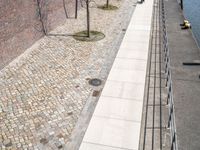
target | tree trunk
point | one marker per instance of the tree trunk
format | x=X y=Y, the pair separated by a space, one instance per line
x=88 y=18
x=65 y=9
x=107 y=3
x=76 y=9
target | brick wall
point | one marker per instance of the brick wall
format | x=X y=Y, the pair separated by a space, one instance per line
x=20 y=25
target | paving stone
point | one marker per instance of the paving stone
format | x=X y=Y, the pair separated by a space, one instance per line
x=7 y=143
x=44 y=91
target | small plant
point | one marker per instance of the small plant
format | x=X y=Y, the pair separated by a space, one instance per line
x=65 y=9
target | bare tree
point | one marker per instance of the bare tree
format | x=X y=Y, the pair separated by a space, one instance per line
x=107 y=3
x=64 y=6
x=76 y=9
x=87 y=3
x=88 y=17
x=107 y=6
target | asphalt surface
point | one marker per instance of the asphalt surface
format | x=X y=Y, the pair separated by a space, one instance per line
x=186 y=81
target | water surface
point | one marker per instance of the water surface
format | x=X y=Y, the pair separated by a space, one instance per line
x=192 y=13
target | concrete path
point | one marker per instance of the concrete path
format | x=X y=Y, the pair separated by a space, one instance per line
x=186 y=81
x=116 y=122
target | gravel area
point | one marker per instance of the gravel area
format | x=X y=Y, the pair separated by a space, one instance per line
x=44 y=91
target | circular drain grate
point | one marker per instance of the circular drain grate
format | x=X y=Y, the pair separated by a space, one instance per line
x=95 y=82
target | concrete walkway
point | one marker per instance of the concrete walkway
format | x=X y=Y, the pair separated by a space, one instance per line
x=186 y=81
x=116 y=122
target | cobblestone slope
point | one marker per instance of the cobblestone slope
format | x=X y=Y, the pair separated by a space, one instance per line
x=45 y=89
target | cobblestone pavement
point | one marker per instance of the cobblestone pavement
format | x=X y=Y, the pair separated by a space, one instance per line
x=43 y=92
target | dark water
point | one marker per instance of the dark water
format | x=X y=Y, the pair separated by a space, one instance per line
x=192 y=13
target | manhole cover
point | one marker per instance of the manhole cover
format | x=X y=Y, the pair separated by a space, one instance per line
x=95 y=82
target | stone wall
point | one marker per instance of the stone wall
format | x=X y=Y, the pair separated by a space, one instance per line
x=20 y=24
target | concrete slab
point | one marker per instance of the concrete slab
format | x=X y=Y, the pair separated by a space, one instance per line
x=123 y=90
x=113 y=132
x=143 y=21
x=118 y=108
x=140 y=27
x=137 y=36
x=130 y=54
x=134 y=46
x=91 y=146
x=129 y=64
x=136 y=33
x=132 y=76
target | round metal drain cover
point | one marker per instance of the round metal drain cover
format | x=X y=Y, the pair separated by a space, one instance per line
x=95 y=82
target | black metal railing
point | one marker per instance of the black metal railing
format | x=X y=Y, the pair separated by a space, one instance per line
x=180 y=3
x=169 y=84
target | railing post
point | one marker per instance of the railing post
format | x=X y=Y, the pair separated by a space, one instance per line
x=181 y=4
x=170 y=101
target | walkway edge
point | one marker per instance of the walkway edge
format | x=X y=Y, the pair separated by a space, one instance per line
x=115 y=124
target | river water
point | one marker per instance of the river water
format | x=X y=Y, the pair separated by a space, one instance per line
x=192 y=13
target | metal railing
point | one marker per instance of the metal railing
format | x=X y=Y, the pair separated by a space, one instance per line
x=170 y=100
x=180 y=3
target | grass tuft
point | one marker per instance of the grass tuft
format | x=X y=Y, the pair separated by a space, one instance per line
x=94 y=36
x=110 y=7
